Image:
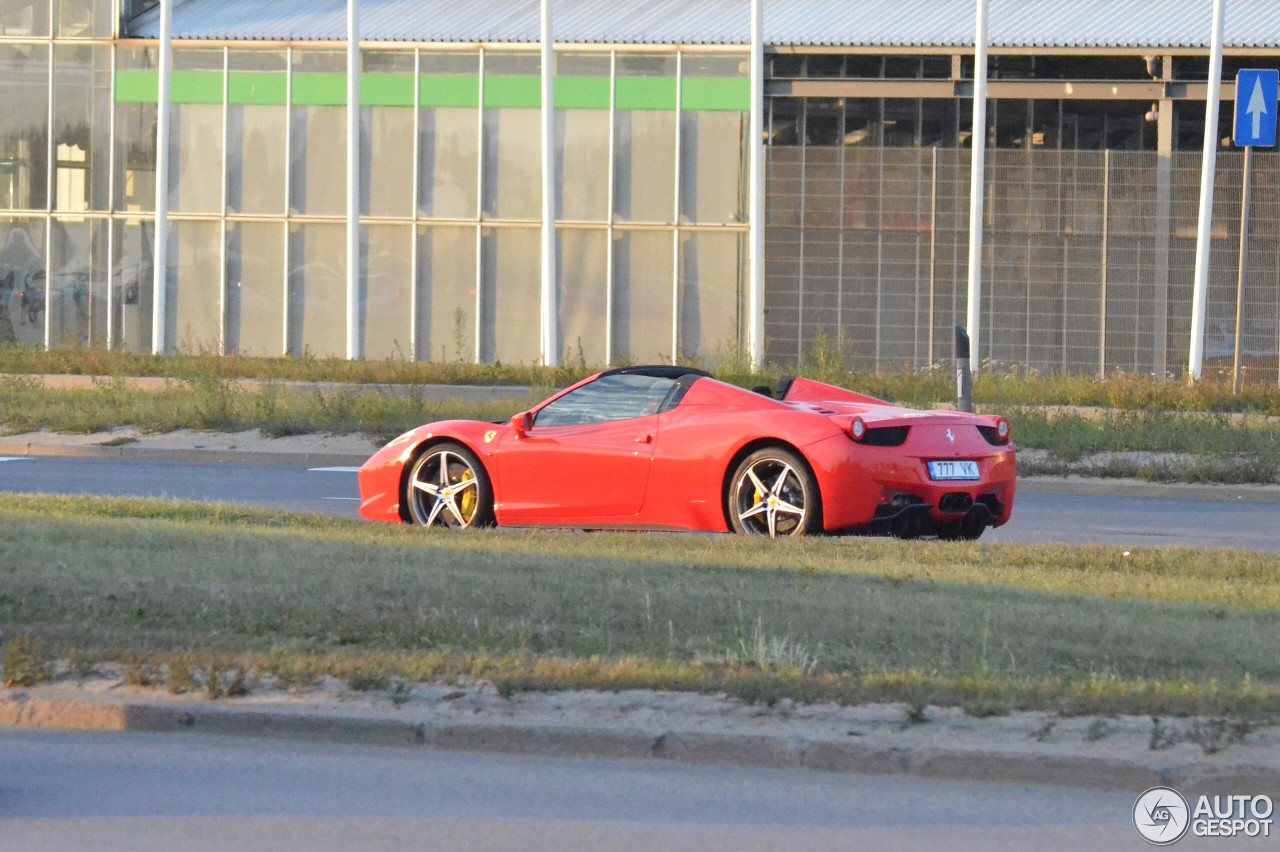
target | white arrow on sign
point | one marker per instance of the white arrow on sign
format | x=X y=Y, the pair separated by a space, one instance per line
x=1257 y=107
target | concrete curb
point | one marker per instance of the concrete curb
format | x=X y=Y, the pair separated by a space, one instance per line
x=744 y=750
x=35 y=449
x=1104 y=487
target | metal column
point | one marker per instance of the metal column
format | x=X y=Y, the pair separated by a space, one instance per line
x=355 y=347
x=755 y=212
x=160 y=254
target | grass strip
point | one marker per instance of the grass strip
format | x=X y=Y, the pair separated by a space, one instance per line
x=219 y=405
x=825 y=361
x=1075 y=629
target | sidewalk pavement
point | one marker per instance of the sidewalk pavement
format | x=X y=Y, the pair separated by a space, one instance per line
x=1115 y=753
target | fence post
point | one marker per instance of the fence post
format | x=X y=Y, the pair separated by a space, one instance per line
x=1242 y=266
x=1106 y=234
x=933 y=243
x=964 y=372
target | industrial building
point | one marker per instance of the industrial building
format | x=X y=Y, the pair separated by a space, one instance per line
x=1094 y=131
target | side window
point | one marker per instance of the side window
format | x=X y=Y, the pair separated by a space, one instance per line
x=622 y=396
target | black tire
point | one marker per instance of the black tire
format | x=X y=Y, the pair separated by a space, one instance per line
x=772 y=493
x=438 y=492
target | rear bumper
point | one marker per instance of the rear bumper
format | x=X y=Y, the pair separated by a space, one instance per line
x=870 y=486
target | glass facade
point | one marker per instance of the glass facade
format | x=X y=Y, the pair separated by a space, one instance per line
x=1090 y=183
x=650 y=169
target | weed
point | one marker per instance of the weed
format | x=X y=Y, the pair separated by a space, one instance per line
x=1099 y=729
x=294 y=672
x=81 y=664
x=181 y=678
x=139 y=671
x=366 y=678
x=1045 y=732
x=769 y=652
x=915 y=715
x=1216 y=734
x=23 y=664
x=1162 y=736
x=400 y=693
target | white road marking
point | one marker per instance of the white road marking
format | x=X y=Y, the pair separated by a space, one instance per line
x=15 y=458
x=341 y=498
x=333 y=469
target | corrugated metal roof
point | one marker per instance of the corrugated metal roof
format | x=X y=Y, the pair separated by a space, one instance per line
x=869 y=23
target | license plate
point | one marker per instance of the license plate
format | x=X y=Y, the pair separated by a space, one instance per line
x=953 y=470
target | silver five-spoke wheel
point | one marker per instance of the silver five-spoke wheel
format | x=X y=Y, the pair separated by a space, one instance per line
x=448 y=487
x=772 y=493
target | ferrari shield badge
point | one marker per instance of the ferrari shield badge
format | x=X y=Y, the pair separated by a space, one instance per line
x=489 y=436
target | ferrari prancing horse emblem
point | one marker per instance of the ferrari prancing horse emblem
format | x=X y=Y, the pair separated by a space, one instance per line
x=950 y=436
x=489 y=436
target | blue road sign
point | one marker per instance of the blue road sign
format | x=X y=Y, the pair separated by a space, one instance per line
x=1256 y=107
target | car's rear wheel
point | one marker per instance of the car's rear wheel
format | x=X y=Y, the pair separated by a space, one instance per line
x=448 y=487
x=772 y=493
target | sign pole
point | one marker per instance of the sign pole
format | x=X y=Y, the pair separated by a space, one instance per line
x=1257 y=90
x=1240 y=271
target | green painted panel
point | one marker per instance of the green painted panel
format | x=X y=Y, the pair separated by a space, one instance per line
x=196 y=87
x=437 y=90
x=449 y=90
x=716 y=93
x=320 y=89
x=248 y=88
x=646 y=93
x=512 y=90
x=137 y=87
x=391 y=90
x=582 y=93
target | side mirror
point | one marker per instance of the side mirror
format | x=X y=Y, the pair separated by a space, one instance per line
x=522 y=423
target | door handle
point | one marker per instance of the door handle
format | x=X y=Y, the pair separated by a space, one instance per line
x=645 y=439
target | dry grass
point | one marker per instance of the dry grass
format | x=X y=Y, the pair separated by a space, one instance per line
x=219 y=405
x=1074 y=629
x=995 y=385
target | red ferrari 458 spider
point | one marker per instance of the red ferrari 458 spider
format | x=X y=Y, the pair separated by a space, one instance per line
x=672 y=448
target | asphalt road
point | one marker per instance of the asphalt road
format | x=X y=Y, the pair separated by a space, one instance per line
x=75 y=790
x=1042 y=514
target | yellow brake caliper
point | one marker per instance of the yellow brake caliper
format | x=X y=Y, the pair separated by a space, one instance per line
x=468 y=506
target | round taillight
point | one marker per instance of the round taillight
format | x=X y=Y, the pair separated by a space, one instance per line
x=1002 y=429
x=857 y=429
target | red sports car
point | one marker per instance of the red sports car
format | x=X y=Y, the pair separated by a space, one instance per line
x=672 y=448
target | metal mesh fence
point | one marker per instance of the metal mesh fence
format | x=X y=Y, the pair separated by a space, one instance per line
x=1088 y=258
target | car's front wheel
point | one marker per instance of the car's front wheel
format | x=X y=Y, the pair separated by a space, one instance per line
x=772 y=493
x=448 y=487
